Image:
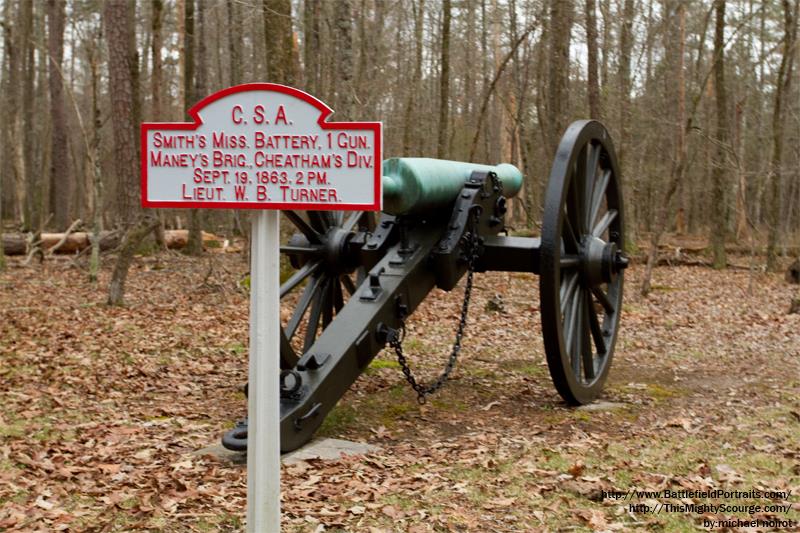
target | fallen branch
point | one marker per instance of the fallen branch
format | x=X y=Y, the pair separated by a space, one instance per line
x=63 y=239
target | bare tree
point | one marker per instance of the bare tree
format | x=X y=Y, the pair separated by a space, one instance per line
x=719 y=224
x=591 y=44
x=60 y=175
x=444 y=82
x=558 y=72
x=344 y=62
x=278 y=40
x=624 y=75
x=782 y=85
x=311 y=45
x=194 y=244
x=157 y=74
x=418 y=10
x=234 y=45
x=122 y=62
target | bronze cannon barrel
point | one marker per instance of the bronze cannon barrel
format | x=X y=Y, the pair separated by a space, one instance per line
x=417 y=184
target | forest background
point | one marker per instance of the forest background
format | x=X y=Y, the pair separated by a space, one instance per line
x=702 y=100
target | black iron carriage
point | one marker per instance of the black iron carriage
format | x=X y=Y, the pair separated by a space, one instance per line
x=442 y=220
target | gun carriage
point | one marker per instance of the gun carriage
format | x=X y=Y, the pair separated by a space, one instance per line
x=358 y=278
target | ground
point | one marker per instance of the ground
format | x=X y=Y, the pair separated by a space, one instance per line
x=104 y=408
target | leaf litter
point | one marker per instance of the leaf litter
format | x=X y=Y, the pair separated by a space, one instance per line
x=104 y=409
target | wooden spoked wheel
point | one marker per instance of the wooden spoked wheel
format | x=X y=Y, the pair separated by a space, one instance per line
x=582 y=262
x=325 y=275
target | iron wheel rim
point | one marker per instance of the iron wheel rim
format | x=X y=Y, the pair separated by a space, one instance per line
x=579 y=312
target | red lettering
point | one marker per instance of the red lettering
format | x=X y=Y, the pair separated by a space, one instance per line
x=258 y=115
x=236 y=114
x=281 y=116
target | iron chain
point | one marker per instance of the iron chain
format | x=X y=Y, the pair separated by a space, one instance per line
x=395 y=339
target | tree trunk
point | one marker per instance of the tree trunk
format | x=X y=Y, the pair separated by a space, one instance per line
x=32 y=177
x=782 y=85
x=15 y=48
x=130 y=242
x=444 y=82
x=234 y=45
x=718 y=198
x=558 y=74
x=195 y=244
x=156 y=76
x=311 y=45
x=591 y=43
x=624 y=74
x=418 y=9
x=156 y=81
x=93 y=155
x=344 y=52
x=60 y=176
x=278 y=40
x=121 y=57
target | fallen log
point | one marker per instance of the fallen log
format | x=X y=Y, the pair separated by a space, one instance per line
x=17 y=243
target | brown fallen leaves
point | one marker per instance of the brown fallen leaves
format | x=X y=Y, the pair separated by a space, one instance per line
x=103 y=409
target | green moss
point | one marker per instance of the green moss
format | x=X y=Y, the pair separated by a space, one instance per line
x=664 y=288
x=449 y=404
x=581 y=416
x=341 y=418
x=553 y=460
x=660 y=392
x=378 y=364
x=14 y=428
x=237 y=348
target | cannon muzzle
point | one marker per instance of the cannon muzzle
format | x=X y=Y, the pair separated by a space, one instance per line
x=417 y=184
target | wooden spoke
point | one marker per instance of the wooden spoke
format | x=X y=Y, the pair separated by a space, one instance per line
x=567 y=290
x=570 y=261
x=299 y=276
x=604 y=223
x=592 y=160
x=575 y=200
x=338 y=297
x=288 y=356
x=319 y=221
x=327 y=303
x=603 y=299
x=304 y=250
x=586 y=344
x=569 y=238
x=597 y=197
x=576 y=346
x=570 y=319
x=594 y=325
x=314 y=316
x=348 y=284
x=310 y=233
x=302 y=305
x=351 y=221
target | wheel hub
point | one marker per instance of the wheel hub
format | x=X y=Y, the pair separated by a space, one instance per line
x=335 y=250
x=601 y=261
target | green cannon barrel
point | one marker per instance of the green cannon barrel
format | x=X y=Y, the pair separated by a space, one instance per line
x=417 y=184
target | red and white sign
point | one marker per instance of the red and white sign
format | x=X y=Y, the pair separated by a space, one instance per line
x=262 y=146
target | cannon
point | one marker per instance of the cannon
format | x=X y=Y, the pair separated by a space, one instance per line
x=357 y=278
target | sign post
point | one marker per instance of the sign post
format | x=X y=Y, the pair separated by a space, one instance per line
x=268 y=147
x=263 y=450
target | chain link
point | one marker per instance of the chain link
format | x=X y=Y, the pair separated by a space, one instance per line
x=395 y=338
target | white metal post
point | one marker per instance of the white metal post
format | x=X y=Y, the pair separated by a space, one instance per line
x=263 y=427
